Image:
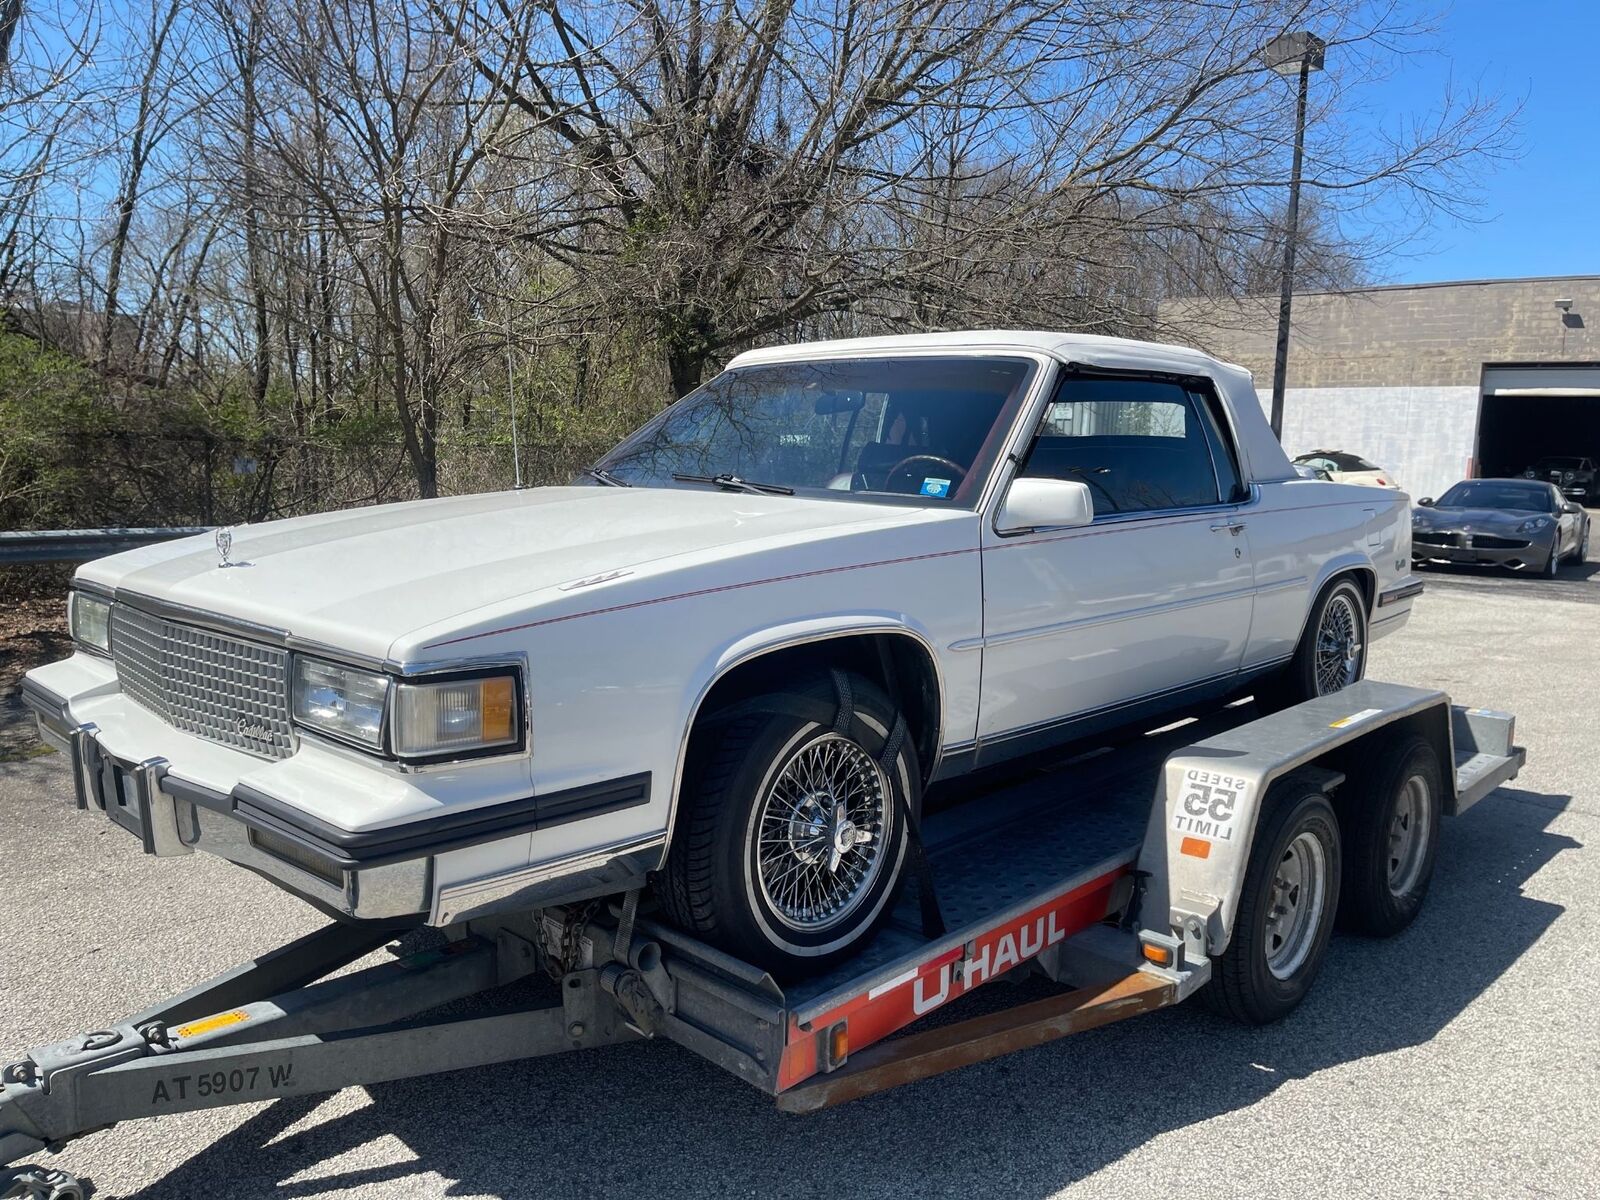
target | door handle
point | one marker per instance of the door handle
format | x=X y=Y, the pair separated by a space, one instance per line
x=1233 y=527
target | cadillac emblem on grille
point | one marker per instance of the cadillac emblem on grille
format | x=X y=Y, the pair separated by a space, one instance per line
x=252 y=729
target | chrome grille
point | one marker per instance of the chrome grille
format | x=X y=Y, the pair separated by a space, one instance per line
x=210 y=684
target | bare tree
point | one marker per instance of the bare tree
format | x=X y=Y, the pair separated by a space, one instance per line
x=151 y=124
x=751 y=168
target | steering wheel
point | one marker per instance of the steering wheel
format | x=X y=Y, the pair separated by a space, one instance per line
x=956 y=469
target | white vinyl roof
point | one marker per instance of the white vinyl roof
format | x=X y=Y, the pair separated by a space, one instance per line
x=1090 y=349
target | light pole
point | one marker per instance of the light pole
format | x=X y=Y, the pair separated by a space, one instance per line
x=1291 y=54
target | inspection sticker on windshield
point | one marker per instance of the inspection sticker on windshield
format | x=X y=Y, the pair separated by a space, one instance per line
x=1208 y=803
x=1353 y=718
x=935 y=487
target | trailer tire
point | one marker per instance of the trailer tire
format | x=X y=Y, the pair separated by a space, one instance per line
x=717 y=885
x=1293 y=874
x=1390 y=813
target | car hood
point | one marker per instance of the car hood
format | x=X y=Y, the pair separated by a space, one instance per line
x=1478 y=518
x=360 y=578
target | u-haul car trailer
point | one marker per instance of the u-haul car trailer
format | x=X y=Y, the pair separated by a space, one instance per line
x=1229 y=876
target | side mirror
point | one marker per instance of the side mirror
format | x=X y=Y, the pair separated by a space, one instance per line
x=1571 y=507
x=1045 y=504
x=1426 y=502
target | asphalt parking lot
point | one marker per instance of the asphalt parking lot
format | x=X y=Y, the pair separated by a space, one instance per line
x=1457 y=1060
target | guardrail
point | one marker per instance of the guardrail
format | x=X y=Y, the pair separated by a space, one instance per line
x=80 y=545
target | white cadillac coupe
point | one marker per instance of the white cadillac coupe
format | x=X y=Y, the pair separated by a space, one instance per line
x=726 y=663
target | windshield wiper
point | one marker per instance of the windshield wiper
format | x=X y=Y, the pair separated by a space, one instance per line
x=606 y=477
x=732 y=483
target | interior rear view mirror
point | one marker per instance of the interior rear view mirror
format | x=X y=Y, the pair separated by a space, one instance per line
x=1045 y=504
x=830 y=403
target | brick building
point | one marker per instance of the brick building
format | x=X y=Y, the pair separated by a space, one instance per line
x=1432 y=381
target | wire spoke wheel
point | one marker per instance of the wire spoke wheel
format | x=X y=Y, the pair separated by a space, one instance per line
x=1339 y=645
x=1299 y=888
x=823 y=833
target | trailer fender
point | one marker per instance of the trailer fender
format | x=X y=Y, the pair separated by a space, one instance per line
x=1211 y=796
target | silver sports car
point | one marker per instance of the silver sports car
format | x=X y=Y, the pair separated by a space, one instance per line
x=1522 y=524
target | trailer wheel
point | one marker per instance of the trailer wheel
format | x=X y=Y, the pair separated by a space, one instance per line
x=790 y=840
x=1390 y=815
x=1286 y=910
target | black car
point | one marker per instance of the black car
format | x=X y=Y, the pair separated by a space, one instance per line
x=1521 y=524
x=1578 y=478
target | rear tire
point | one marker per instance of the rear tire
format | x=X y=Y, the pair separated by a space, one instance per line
x=1336 y=629
x=790 y=840
x=1286 y=910
x=1389 y=811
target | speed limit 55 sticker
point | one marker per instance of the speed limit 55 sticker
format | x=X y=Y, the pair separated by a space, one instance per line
x=1208 y=803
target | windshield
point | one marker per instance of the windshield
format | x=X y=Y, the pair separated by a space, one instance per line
x=1565 y=464
x=923 y=427
x=1492 y=493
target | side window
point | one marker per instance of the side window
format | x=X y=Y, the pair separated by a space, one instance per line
x=1141 y=445
x=1230 y=480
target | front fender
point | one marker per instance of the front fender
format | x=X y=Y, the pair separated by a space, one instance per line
x=753 y=645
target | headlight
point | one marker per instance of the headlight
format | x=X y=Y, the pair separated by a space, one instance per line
x=1528 y=474
x=455 y=715
x=89 y=619
x=1533 y=525
x=340 y=701
x=1418 y=521
x=1570 y=476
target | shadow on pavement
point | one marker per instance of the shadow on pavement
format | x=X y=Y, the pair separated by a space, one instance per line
x=652 y=1117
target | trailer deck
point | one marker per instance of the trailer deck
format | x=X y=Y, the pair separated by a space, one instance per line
x=1077 y=872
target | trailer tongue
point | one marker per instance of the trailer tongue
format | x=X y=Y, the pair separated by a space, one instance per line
x=1076 y=874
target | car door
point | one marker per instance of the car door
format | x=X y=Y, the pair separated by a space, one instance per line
x=1153 y=597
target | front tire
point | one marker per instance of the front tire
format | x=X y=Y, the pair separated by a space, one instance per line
x=1286 y=910
x=790 y=841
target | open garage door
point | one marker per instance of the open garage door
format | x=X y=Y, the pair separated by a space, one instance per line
x=1531 y=413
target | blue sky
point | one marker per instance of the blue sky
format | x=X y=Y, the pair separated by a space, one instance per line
x=1542 y=212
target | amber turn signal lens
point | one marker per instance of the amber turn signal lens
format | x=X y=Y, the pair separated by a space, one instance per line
x=498 y=708
x=1159 y=955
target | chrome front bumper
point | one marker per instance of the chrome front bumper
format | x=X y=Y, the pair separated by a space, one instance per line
x=377 y=874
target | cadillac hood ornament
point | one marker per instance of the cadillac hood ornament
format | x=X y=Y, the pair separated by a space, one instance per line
x=225 y=548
